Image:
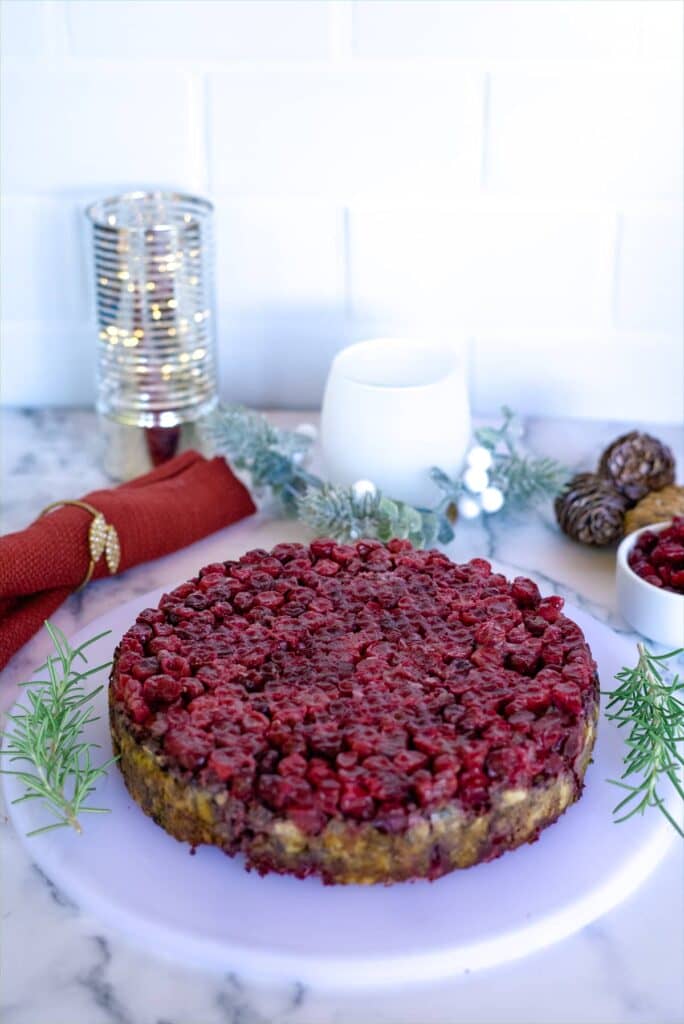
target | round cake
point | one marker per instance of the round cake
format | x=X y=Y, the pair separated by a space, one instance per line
x=366 y=713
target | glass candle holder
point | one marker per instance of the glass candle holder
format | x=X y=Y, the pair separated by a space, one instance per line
x=156 y=367
x=393 y=408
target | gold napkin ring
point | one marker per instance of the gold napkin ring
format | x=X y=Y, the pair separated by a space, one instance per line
x=102 y=539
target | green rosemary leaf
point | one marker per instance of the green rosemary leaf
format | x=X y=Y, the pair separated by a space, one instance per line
x=647 y=701
x=47 y=828
x=47 y=734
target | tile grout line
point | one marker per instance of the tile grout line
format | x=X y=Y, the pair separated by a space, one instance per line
x=618 y=231
x=486 y=105
x=200 y=141
x=346 y=266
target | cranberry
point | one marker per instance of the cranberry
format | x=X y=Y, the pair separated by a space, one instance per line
x=227 y=764
x=151 y=615
x=309 y=819
x=165 y=643
x=192 y=687
x=525 y=592
x=162 y=689
x=173 y=664
x=189 y=746
x=293 y=764
x=568 y=696
x=550 y=608
x=659 y=557
x=356 y=801
x=347 y=759
x=525 y=657
x=327 y=567
x=328 y=794
x=144 y=668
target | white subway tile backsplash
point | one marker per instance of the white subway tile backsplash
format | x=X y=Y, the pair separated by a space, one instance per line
x=609 y=134
x=662 y=29
x=508 y=170
x=360 y=132
x=279 y=255
x=68 y=130
x=405 y=264
x=536 y=268
x=603 y=375
x=44 y=273
x=482 y=266
x=203 y=30
x=23 y=28
x=280 y=292
x=650 y=272
x=48 y=363
x=497 y=29
x=279 y=357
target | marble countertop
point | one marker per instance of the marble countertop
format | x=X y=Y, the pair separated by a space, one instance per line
x=62 y=967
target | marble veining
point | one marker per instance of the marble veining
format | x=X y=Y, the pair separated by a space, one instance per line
x=60 y=966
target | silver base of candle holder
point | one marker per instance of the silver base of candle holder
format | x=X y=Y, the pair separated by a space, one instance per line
x=129 y=451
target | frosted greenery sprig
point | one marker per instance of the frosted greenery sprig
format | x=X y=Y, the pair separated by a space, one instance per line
x=47 y=736
x=649 y=701
x=347 y=513
x=274 y=460
x=523 y=479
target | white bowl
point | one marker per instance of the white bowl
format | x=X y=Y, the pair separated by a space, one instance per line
x=658 y=614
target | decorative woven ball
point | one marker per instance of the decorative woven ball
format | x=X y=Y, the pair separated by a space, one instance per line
x=656 y=507
x=638 y=463
x=591 y=510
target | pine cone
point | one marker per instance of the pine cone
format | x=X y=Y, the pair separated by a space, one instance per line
x=638 y=463
x=656 y=507
x=591 y=510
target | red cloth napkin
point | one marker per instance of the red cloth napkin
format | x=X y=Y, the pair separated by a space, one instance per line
x=177 y=503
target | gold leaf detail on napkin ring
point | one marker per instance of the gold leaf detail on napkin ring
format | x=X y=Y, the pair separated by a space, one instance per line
x=102 y=539
x=112 y=549
x=97 y=535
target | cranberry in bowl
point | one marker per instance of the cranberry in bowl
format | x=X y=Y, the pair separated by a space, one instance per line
x=648 y=587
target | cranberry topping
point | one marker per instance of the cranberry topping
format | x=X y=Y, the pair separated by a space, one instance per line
x=659 y=557
x=365 y=681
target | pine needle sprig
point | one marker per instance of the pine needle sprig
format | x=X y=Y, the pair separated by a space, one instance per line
x=47 y=736
x=650 y=703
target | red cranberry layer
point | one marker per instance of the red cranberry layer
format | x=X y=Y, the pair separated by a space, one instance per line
x=659 y=557
x=364 y=682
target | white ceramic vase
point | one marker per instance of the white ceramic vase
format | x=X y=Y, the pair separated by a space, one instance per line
x=392 y=409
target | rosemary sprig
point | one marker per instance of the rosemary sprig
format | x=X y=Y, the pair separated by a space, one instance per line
x=47 y=736
x=650 y=704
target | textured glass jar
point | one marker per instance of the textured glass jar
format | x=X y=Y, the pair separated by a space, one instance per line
x=156 y=367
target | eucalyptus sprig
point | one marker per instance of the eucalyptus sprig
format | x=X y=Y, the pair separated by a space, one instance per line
x=648 y=700
x=47 y=736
